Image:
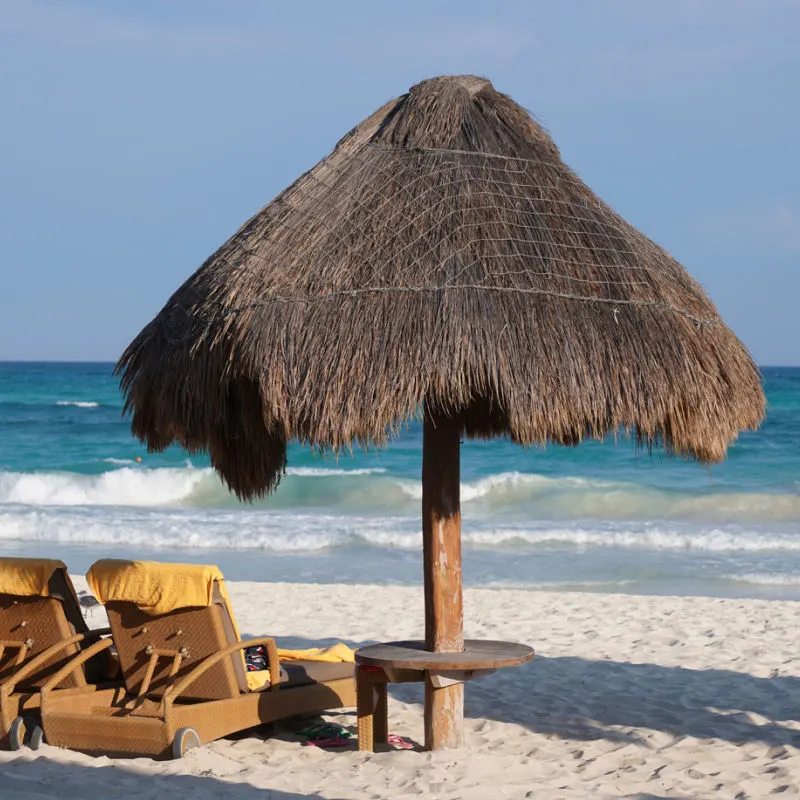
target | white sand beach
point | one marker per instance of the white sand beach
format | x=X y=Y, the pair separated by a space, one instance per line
x=629 y=696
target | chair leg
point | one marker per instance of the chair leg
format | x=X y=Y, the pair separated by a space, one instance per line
x=380 y=720
x=372 y=708
x=364 y=710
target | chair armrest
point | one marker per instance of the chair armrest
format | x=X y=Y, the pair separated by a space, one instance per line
x=31 y=666
x=73 y=664
x=274 y=665
x=187 y=680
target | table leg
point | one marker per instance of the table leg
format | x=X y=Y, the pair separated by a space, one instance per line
x=372 y=708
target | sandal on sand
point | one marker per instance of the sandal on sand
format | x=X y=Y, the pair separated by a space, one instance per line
x=399 y=742
x=324 y=730
x=334 y=741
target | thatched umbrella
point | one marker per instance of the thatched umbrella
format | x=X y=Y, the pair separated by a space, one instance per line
x=442 y=261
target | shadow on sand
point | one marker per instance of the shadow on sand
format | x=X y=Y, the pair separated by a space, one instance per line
x=581 y=699
x=565 y=697
x=44 y=779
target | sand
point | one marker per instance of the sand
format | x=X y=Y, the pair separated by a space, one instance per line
x=637 y=697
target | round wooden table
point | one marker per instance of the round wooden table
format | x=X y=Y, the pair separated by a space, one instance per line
x=402 y=662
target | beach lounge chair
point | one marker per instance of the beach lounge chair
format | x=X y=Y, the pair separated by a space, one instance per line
x=41 y=628
x=184 y=673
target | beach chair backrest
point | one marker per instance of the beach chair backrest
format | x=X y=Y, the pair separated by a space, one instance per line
x=30 y=622
x=156 y=650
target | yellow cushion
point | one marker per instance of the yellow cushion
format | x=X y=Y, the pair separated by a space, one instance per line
x=155 y=587
x=27 y=577
x=335 y=653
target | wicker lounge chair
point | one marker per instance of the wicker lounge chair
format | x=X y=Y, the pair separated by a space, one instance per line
x=185 y=681
x=41 y=628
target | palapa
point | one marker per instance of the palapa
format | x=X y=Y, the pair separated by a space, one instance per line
x=442 y=261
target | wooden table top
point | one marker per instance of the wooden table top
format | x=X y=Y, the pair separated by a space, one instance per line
x=477 y=654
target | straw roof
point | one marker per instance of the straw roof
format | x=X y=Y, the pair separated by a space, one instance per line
x=442 y=254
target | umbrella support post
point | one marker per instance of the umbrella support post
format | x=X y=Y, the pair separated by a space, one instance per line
x=441 y=536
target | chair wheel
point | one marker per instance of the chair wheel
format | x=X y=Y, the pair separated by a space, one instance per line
x=36 y=737
x=16 y=733
x=24 y=731
x=185 y=739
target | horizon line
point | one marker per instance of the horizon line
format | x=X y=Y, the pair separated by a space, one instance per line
x=113 y=363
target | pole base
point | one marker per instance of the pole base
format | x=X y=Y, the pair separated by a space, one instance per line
x=444 y=715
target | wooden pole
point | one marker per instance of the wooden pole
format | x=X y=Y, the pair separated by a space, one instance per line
x=441 y=538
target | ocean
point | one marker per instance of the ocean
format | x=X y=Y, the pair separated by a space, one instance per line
x=600 y=517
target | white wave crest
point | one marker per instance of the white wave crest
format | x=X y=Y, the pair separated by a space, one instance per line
x=290 y=531
x=565 y=585
x=509 y=498
x=647 y=538
x=78 y=403
x=766 y=578
x=507 y=486
x=321 y=472
x=120 y=487
x=179 y=528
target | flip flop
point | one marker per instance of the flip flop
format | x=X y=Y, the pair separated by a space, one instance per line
x=334 y=741
x=399 y=742
x=324 y=730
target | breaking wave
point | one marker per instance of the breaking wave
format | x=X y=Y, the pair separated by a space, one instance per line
x=505 y=497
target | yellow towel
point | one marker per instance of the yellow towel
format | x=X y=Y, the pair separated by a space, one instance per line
x=27 y=577
x=334 y=653
x=156 y=587
x=256 y=680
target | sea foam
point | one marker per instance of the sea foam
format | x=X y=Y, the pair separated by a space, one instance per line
x=281 y=531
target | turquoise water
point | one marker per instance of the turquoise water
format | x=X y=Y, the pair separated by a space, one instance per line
x=602 y=516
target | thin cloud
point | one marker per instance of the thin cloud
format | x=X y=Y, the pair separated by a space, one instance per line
x=683 y=14
x=659 y=48
x=777 y=227
x=79 y=29
x=481 y=40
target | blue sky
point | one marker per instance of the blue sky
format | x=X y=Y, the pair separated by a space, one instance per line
x=136 y=137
